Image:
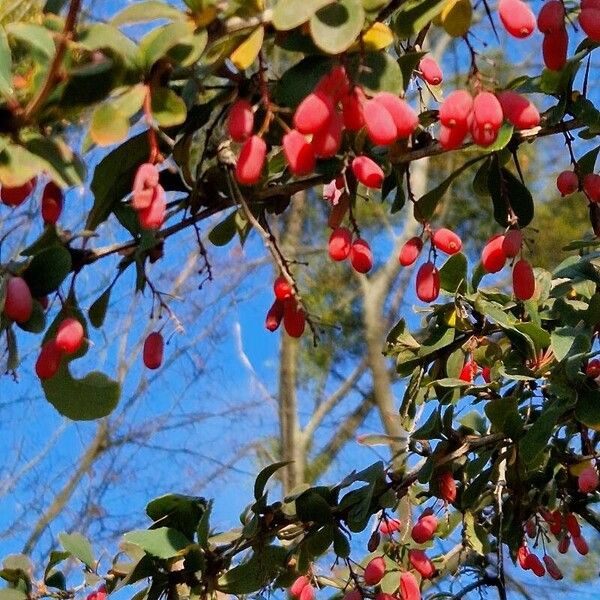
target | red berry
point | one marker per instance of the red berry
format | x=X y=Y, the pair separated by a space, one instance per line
x=513 y=240
x=13 y=196
x=48 y=360
x=153 y=350
x=563 y=544
x=456 y=109
x=483 y=137
x=523 y=280
x=294 y=320
x=352 y=109
x=428 y=282
x=421 y=563
x=327 y=141
x=590 y=4
x=533 y=563
x=581 y=545
x=591 y=187
x=153 y=216
x=410 y=251
x=274 y=316
x=368 y=172
x=340 y=243
x=361 y=257
x=144 y=186
x=380 y=123
x=551 y=16
x=250 y=163
x=298 y=586
x=593 y=368
x=519 y=110
x=589 y=19
x=241 y=120
x=556 y=522
x=404 y=117
x=299 y=154
x=447 y=487
x=552 y=568
x=282 y=288
x=409 y=586
x=313 y=113
x=468 y=371
x=353 y=595
x=424 y=529
x=567 y=183
x=18 y=303
x=335 y=84
x=374 y=571
x=554 y=49
x=588 y=480
x=531 y=528
x=307 y=593
x=522 y=554
x=52 y=203
x=493 y=257
x=487 y=111
x=430 y=71
x=447 y=241
x=452 y=138
x=388 y=526
x=572 y=525
x=69 y=335
x=517 y=18
x=486 y=373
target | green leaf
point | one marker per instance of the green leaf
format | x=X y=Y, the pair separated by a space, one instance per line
x=143 y=12
x=176 y=41
x=311 y=506
x=12 y=594
x=177 y=511
x=79 y=547
x=37 y=321
x=97 y=311
x=164 y=542
x=108 y=125
x=58 y=160
x=47 y=270
x=5 y=65
x=104 y=37
x=508 y=192
x=587 y=163
x=587 y=409
x=167 y=107
x=335 y=27
x=264 y=476
x=562 y=339
x=289 y=14
x=475 y=535
x=376 y=72
x=38 y=38
x=412 y=16
x=222 y=233
x=408 y=63
x=299 y=81
x=453 y=274
x=341 y=544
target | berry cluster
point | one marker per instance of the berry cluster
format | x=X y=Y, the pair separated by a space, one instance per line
x=568 y=183
x=51 y=201
x=148 y=197
x=287 y=309
x=69 y=338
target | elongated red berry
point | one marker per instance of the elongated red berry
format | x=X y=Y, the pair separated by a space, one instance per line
x=153 y=217
x=361 y=256
x=589 y=19
x=14 y=196
x=456 y=109
x=554 y=49
x=153 y=350
x=591 y=187
x=274 y=316
x=551 y=16
x=282 y=288
x=493 y=257
x=313 y=113
x=48 y=360
x=428 y=282
x=424 y=529
x=298 y=585
x=468 y=371
x=519 y=110
x=581 y=545
x=240 y=121
x=69 y=335
x=430 y=70
x=552 y=568
x=18 y=303
x=517 y=18
x=352 y=109
x=447 y=487
x=368 y=172
x=409 y=586
x=592 y=369
x=588 y=480
x=144 y=187
x=340 y=243
x=572 y=525
x=327 y=141
x=421 y=563
x=410 y=251
x=513 y=240
x=533 y=563
x=487 y=111
x=563 y=544
x=52 y=203
x=567 y=183
x=250 y=163
x=374 y=571
x=447 y=241
x=486 y=373
x=523 y=280
x=483 y=137
x=307 y=593
x=299 y=154
x=335 y=83
x=452 y=138
x=381 y=128
x=522 y=554
x=556 y=522
x=294 y=319
x=404 y=117
x=388 y=526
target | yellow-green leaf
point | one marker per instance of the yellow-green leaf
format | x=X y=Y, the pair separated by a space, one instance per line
x=108 y=126
x=246 y=53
